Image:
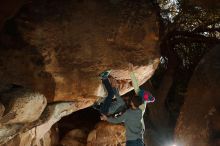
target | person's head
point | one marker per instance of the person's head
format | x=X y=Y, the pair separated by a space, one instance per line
x=127 y=97
x=127 y=100
x=136 y=101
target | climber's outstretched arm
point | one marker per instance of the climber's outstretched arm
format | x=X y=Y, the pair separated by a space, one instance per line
x=146 y=95
x=134 y=80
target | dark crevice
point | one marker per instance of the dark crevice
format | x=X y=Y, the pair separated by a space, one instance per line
x=84 y=119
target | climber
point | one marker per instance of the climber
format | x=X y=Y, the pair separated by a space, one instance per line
x=108 y=106
x=133 y=117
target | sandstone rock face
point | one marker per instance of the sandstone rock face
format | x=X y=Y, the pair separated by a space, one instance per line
x=76 y=137
x=106 y=134
x=52 y=114
x=28 y=139
x=65 y=45
x=8 y=130
x=39 y=128
x=58 y=49
x=25 y=106
x=199 y=121
x=2 y=109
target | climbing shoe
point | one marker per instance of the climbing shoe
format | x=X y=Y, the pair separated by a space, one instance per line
x=105 y=74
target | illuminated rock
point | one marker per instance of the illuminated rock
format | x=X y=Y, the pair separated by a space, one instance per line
x=39 y=128
x=25 y=106
x=106 y=134
x=59 y=48
x=68 y=44
x=28 y=139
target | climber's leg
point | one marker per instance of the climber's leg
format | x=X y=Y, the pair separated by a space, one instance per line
x=104 y=106
x=108 y=100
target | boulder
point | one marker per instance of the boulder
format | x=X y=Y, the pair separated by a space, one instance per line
x=39 y=128
x=52 y=114
x=59 y=48
x=198 y=123
x=28 y=139
x=106 y=134
x=25 y=106
x=76 y=137
x=8 y=130
x=63 y=46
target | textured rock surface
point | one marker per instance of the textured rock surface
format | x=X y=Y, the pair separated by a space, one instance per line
x=28 y=139
x=8 y=130
x=24 y=106
x=58 y=49
x=76 y=137
x=199 y=121
x=2 y=109
x=52 y=114
x=65 y=45
x=106 y=134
